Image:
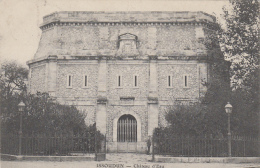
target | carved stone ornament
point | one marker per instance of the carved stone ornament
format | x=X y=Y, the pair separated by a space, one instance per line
x=127 y=46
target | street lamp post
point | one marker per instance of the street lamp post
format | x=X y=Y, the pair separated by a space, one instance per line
x=21 y=107
x=228 y=109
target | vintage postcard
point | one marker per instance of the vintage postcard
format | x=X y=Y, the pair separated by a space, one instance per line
x=129 y=84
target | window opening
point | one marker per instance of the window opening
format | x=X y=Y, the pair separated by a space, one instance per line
x=135 y=81
x=119 y=81
x=169 y=81
x=69 y=81
x=85 y=80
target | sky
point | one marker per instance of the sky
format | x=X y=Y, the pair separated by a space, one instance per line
x=20 y=19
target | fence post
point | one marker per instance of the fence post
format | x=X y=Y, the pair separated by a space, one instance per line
x=211 y=143
x=182 y=145
x=95 y=142
x=105 y=144
x=20 y=134
x=188 y=145
x=244 y=146
x=153 y=148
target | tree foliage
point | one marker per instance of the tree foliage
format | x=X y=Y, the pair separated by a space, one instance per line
x=13 y=79
x=43 y=118
x=42 y=115
x=240 y=42
x=218 y=85
x=209 y=117
x=241 y=47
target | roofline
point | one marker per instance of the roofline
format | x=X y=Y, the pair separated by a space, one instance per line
x=123 y=12
x=99 y=17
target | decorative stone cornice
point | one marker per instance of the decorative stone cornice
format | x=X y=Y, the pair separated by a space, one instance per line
x=82 y=57
x=137 y=16
x=52 y=24
x=134 y=18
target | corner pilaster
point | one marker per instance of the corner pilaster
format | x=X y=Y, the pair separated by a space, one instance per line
x=101 y=116
x=153 y=114
x=51 y=75
x=153 y=79
x=153 y=109
x=102 y=78
x=29 y=79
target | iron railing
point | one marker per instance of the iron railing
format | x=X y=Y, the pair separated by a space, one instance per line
x=52 y=145
x=188 y=146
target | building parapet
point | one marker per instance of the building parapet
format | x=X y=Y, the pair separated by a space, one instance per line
x=130 y=16
x=126 y=18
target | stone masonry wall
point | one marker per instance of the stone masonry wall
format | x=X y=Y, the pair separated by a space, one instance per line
x=77 y=71
x=127 y=72
x=95 y=39
x=37 y=81
x=85 y=98
x=78 y=37
x=48 y=43
x=177 y=71
x=117 y=111
x=171 y=39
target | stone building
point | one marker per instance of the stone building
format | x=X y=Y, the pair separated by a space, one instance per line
x=123 y=69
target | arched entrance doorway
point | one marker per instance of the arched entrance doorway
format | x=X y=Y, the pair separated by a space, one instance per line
x=126 y=133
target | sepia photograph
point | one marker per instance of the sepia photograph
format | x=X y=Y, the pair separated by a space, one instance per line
x=129 y=84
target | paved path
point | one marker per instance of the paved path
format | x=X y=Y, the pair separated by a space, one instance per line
x=128 y=157
x=126 y=160
x=92 y=164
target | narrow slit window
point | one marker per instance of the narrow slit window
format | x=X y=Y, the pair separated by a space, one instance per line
x=85 y=81
x=186 y=81
x=69 y=81
x=169 y=81
x=119 y=81
x=135 y=81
